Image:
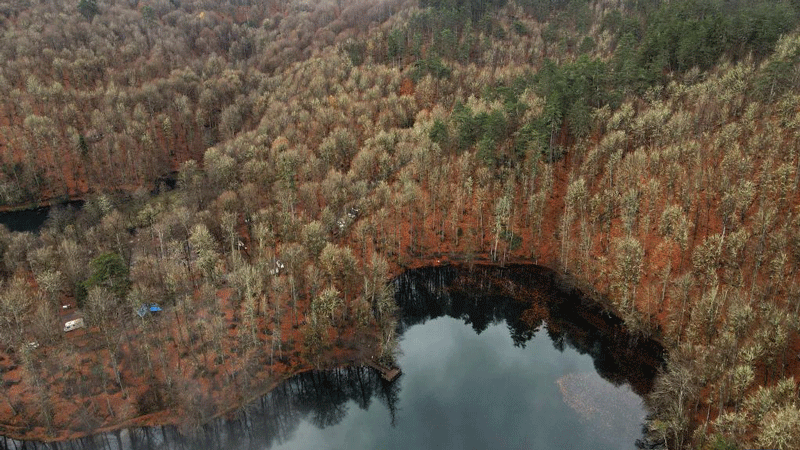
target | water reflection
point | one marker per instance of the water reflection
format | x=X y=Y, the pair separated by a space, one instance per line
x=526 y=297
x=522 y=373
x=321 y=398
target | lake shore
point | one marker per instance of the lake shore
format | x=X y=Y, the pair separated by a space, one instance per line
x=508 y=280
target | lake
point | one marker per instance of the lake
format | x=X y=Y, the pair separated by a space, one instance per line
x=32 y=220
x=463 y=390
x=492 y=358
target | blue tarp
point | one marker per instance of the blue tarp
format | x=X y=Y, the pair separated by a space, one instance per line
x=151 y=308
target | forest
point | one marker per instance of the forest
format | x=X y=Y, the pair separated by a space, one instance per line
x=261 y=169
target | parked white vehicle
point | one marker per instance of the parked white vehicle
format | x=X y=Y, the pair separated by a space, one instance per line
x=74 y=324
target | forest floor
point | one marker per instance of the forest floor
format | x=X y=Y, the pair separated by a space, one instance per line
x=203 y=387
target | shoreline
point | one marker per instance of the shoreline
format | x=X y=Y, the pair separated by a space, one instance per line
x=43 y=203
x=175 y=417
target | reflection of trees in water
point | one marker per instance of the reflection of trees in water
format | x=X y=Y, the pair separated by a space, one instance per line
x=481 y=297
x=426 y=294
x=320 y=397
x=525 y=297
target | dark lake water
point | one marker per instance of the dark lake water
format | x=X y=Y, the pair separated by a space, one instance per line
x=32 y=220
x=489 y=362
x=462 y=390
x=27 y=220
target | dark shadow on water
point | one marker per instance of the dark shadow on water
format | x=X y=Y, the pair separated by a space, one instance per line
x=526 y=298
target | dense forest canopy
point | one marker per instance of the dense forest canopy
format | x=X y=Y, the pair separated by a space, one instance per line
x=188 y=75
x=648 y=149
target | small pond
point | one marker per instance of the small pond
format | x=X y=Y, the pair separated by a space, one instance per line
x=32 y=220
